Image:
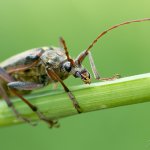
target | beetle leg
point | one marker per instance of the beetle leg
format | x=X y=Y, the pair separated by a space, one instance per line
x=54 y=76
x=11 y=84
x=10 y=104
x=95 y=72
x=24 y=85
x=30 y=86
x=93 y=67
x=4 y=76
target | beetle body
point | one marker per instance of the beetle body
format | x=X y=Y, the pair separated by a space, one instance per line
x=35 y=73
x=39 y=67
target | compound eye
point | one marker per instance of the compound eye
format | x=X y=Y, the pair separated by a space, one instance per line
x=67 y=66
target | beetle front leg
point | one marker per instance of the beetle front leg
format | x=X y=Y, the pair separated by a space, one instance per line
x=54 y=76
x=30 y=86
x=95 y=72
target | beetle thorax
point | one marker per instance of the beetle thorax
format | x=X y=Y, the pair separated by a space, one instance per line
x=54 y=59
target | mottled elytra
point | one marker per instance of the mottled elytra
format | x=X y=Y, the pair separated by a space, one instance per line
x=39 y=67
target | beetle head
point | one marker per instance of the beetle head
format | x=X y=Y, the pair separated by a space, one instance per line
x=77 y=70
x=74 y=67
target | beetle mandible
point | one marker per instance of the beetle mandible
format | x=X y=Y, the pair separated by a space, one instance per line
x=39 y=67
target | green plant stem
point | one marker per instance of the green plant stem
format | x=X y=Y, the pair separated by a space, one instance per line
x=97 y=96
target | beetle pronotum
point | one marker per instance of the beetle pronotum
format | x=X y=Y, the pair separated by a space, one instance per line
x=39 y=67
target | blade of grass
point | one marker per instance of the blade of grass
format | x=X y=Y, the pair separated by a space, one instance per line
x=97 y=96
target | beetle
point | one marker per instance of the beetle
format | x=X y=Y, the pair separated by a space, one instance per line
x=37 y=68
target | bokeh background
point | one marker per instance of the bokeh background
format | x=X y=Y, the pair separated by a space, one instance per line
x=35 y=23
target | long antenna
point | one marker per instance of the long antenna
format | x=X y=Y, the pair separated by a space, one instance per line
x=111 y=28
x=82 y=56
x=62 y=41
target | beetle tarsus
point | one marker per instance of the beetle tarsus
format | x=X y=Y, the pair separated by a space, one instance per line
x=75 y=102
x=77 y=107
x=24 y=119
x=54 y=123
x=51 y=123
x=116 y=76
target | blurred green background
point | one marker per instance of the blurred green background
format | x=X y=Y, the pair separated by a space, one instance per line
x=34 y=23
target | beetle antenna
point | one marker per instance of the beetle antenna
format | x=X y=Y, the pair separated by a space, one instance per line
x=63 y=43
x=81 y=57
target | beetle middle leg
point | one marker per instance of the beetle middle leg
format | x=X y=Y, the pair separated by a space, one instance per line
x=17 y=85
x=95 y=72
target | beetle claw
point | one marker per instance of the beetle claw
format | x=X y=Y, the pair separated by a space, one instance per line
x=54 y=123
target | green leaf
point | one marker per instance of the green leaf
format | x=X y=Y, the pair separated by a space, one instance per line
x=97 y=96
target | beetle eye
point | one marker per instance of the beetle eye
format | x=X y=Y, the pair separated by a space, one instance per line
x=67 y=66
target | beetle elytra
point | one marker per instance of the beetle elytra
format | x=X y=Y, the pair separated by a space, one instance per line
x=39 y=67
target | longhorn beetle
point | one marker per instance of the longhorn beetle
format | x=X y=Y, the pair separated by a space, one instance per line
x=39 y=67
